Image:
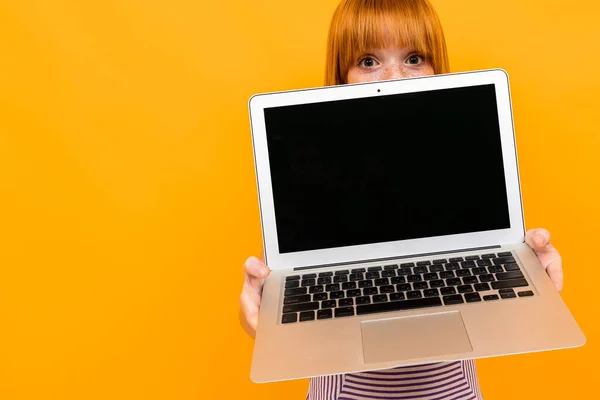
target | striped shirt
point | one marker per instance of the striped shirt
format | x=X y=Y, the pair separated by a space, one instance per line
x=439 y=381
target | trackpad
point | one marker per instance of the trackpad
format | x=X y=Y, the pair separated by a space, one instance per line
x=413 y=337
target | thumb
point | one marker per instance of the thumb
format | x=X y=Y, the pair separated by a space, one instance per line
x=539 y=240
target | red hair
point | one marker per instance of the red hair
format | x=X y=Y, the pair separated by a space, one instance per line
x=359 y=25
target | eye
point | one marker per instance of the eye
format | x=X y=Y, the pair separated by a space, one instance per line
x=415 y=59
x=367 y=62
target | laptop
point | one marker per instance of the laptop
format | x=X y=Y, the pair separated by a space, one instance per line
x=393 y=227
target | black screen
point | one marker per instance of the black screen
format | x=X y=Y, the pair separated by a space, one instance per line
x=386 y=168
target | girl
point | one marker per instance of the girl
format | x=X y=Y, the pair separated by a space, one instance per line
x=372 y=40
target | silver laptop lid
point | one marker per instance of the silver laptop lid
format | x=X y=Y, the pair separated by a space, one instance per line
x=386 y=169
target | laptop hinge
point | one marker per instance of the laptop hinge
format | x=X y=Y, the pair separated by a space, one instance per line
x=397 y=258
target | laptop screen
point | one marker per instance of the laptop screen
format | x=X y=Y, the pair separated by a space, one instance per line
x=386 y=168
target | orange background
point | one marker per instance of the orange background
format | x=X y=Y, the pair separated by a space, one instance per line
x=128 y=196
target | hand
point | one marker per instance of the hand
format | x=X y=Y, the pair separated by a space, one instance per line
x=255 y=272
x=539 y=241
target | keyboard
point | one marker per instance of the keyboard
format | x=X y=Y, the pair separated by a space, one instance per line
x=404 y=286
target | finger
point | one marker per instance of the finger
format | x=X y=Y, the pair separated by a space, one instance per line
x=256 y=268
x=249 y=310
x=538 y=239
x=555 y=272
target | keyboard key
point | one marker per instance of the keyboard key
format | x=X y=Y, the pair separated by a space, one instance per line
x=382 y=282
x=505 y=254
x=422 y=263
x=398 y=305
x=363 y=300
x=307 y=316
x=295 y=292
x=454 y=299
x=319 y=296
x=436 y=268
x=511 y=267
x=452 y=266
x=453 y=282
x=336 y=295
x=353 y=293
x=484 y=263
x=468 y=264
x=356 y=277
x=371 y=269
x=405 y=271
x=437 y=284
x=332 y=286
x=410 y=264
x=507 y=293
x=316 y=289
x=486 y=278
x=344 y=312
x=495 y=269
x=431 y=292
x=420 y=285
x=447 y=274
x=342 y=272
x=372 y=275
x=463 y=272
x=345 y=302
x=364 y=284
x=340 y=278
x=292 y=278
x=369 y=291
x=447 y=290
x=328 y=304
x=479 y=271
x=309 y=282
x=324 y=314
x=387 y=289
x=348 y=285
x=414 y=278
x=472 y=297
x=309 y=276
x=301 y=307
x=388 y=274
x=440 y=261
x=467 y=280
x=490 y=255
x=465 y=289
x=502 y=276
x=504 y=260
x=403 y=287
x=430 y=276
x=526 y=293
x=414 y=294
x=397 y=296
x=398 y=279
x=481 y=287
x=358 y=270
x=297 y=299
x=470 y=258
x=289 y=318
x=322 y=274
x=390 y=267
x=456 y=259
x=379 y=298
x=490 y=297
x=420 y=270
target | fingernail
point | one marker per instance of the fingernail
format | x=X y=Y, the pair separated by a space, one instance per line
x=264 y=271
x=539 y=238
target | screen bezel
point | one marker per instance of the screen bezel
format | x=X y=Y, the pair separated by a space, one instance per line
x=401 y=248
